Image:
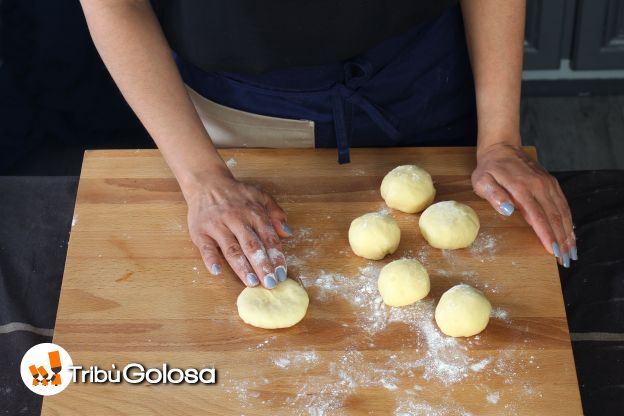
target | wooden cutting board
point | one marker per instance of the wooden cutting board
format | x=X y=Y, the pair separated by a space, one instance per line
x=135 y=290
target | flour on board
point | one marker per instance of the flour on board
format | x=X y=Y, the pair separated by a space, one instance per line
x=323 y=382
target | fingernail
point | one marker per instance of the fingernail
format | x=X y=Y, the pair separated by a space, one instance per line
x=506 y=208
x=215 y=269
x=555 y=248
x=566 y=261
x=281 y=273
x=286 y=229
x=269 y=281
x=252 y=279
x=574 y=253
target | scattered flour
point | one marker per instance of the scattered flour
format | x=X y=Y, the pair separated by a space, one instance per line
x=303 y=237
x=500 y=313
x=74 y=220
x=324 y=382
x=484 y=247
x=231 y=162
x=480 y=365
x=493 y=397
x=295 y=359
x=411 y=408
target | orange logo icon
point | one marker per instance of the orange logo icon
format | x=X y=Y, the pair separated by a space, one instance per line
x=55 y=366
x=45 y=369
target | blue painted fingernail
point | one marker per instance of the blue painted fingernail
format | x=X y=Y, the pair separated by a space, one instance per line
x=573 y=253
x=556 y=250
x=215 y=269
x=281 y=273
x=507 y=208
x=566 y=261
x=252 y=279
x=286 y=229
x=269 y=281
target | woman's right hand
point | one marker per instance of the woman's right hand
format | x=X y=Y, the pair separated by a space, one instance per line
x=245 y=223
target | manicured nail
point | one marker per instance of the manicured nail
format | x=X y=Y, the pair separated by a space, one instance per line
x=573 y=253
x=215 y=269
x=506 y=208
x=286 y=229
x=566 y=261
x=269 y=281
x=252 y=279
x=555 y=248
x=281 y=273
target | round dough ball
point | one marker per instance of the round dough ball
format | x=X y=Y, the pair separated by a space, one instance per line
x=281 y=307
x=408 y=188
x=403 y=282
x=449 y=225
x=374 y=235
x=462 y=311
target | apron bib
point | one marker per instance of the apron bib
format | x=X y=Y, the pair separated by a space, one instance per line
x=412 y=90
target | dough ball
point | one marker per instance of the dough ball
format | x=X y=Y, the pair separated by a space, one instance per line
x=449 y=225
x=281 y=307
x=403 y=282
x=462 y=311
x=374 y=235
x=408 y=188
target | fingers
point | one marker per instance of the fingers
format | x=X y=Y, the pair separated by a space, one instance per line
x=277 y=217
x=234 y=255
x=507 y=176
x=490 y=190
x=256 y=254
x=209 y=253
x=555 y=220
x=534 y=214
x=272 y=245
x=561 y=203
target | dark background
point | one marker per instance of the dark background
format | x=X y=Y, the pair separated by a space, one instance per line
x=56 y=97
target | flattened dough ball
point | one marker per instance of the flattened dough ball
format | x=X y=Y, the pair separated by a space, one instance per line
x=408 y=188
x=462 y=311
x=374 y=235
x=403 y=282
x=449 y=225
x=281 y=307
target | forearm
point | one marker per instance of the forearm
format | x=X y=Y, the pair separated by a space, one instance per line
x=494 y=35
x=130 y=41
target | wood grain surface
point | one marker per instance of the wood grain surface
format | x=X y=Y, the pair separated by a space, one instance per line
x=135 y=290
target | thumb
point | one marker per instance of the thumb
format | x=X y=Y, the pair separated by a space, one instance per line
x=487 y=188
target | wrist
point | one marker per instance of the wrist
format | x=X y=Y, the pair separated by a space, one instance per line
x=192 y=181
x=490 y=141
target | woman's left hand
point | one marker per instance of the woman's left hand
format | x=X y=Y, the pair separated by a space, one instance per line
x=508 y=178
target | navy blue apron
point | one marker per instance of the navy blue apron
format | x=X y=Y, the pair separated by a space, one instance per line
x=411 y=90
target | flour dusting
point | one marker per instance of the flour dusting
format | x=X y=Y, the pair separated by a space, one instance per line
x=323 y=381
x=493 y=397
x=295 y=359
x=484 y=247
x=500 y=313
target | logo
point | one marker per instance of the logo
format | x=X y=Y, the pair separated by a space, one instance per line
x=45 y=369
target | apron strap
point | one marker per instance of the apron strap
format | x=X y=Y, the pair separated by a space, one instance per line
x=342 y=95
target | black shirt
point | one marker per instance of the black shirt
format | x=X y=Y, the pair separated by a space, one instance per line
x=255 y=35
